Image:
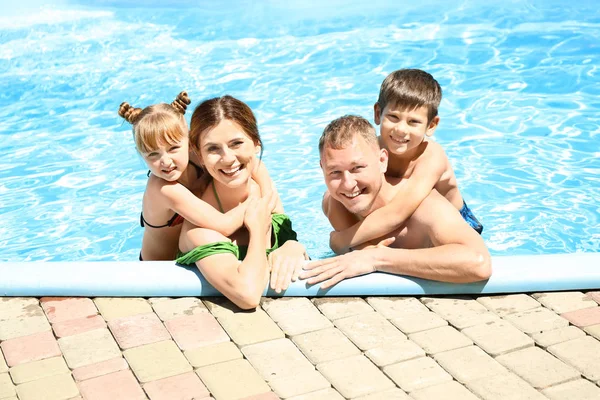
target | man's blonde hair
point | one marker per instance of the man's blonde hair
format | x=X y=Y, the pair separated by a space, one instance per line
x=341 y=131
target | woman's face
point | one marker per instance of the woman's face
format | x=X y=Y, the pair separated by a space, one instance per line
x=228 y=154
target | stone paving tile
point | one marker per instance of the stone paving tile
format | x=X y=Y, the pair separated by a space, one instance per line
x=325 y=345
x=155 y=361
x=417 y=374
x=548 y=338
x=184 y=386
x=38 y=369
x=440 y=339
x=394 y=352
x=118 y=307
x=579 y=389
x=61 y=309
x=562 y=302
x=53 y=387
x=99 y=369
x=23 y=326
x=447 y=391
x=355 y=376
x=213 y=354
x=137 y=330
x=584 y=317
x=295 y=315
x=498 y=337
x=593 y=330
x=276 y=359
x=19 y=307
x=504 y=387
x=77 y=326
x=3 y=366
x=508 y=304
x=7 y=388
x=326 y=394
x=418 y=321
x=582 y=354
x=538 y=367
x=262 y=396
x=537 y=320
x=391 y=394
x=462 y=312
x=298 y=384
x=248 y=327
x=595 y=296
x=218 y=379
x=172 y=308
x=115 y=386
x=190 y=332
x=469 y=364
x=221 y=306
x=88 y=348
x=369 y=330
x=396 y=307
x=30 y=348
x=341 y=307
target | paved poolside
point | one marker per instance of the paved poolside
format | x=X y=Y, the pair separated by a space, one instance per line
x=521 y=346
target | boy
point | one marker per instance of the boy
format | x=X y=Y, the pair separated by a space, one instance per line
x=407 y=112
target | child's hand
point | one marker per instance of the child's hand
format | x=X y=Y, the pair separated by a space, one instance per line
x=286 y=265
x=258 y=215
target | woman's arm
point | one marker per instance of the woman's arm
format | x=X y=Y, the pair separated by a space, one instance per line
x=266 y=184
x=386 y=219
x=242 y=282
x=200 y=213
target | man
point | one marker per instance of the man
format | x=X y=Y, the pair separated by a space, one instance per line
x=434 y=243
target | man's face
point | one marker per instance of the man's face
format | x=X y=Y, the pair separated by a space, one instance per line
x=354 y=174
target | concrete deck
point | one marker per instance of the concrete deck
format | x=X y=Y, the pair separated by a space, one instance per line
x=521 y=346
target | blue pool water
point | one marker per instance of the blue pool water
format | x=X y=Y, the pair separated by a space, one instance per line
x=519 y=120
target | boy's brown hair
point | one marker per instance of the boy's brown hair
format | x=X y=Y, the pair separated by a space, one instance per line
x=341 y=131
x=411 y=88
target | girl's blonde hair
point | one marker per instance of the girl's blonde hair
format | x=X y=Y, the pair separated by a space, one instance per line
x=158 y=124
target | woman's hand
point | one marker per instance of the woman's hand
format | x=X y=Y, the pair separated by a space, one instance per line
x=286 y=264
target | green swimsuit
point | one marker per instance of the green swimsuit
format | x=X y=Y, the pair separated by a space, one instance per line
x=281 y=231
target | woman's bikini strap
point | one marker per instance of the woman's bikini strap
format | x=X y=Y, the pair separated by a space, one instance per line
x=217 y=196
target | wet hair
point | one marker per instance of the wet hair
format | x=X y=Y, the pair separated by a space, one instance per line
x=341 y=131
x=211 y=112
x=411 y=88
x=158 y=124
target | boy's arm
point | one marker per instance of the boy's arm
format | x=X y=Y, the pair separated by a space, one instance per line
x=410 y=194
x=200 y=213
x=338 y=216
x=266 y=184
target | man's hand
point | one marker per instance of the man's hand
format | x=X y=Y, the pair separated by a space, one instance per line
x=286 y=264
x=335 y=269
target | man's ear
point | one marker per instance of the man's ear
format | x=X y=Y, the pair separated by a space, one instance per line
x=376 y=113
x=383 y=160
x=432 y=126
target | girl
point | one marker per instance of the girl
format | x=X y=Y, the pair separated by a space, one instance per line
x=161 y=137
x=225 y=135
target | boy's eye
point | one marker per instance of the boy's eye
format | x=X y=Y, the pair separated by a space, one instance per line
x=392 y=118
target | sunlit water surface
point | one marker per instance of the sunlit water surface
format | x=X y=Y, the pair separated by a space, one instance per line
x=519 y=118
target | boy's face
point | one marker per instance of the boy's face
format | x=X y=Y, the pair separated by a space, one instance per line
x=354 y=174
x=403 y=129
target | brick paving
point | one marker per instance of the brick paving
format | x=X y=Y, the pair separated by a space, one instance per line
x=517 y=346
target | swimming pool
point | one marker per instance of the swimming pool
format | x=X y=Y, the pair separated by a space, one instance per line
x=519 y=119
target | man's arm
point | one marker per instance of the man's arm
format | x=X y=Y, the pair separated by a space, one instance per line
x=410 y=193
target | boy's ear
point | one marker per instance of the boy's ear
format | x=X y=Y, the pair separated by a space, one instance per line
x=432 y=125
x=377 y=113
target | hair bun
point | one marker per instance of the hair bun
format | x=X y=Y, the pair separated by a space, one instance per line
x=129 y=113
x=181 y=102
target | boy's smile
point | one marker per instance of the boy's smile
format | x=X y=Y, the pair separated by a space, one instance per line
x=403 y=129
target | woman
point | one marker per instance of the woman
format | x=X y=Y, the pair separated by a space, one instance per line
x=225 y=135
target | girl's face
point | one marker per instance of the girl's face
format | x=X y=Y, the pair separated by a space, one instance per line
x=228 y=153
x=169 y=161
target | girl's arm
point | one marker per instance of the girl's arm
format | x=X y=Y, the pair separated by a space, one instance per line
x=266 y=184
x=242 y=282
x=386 y=219
x=200 y=213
